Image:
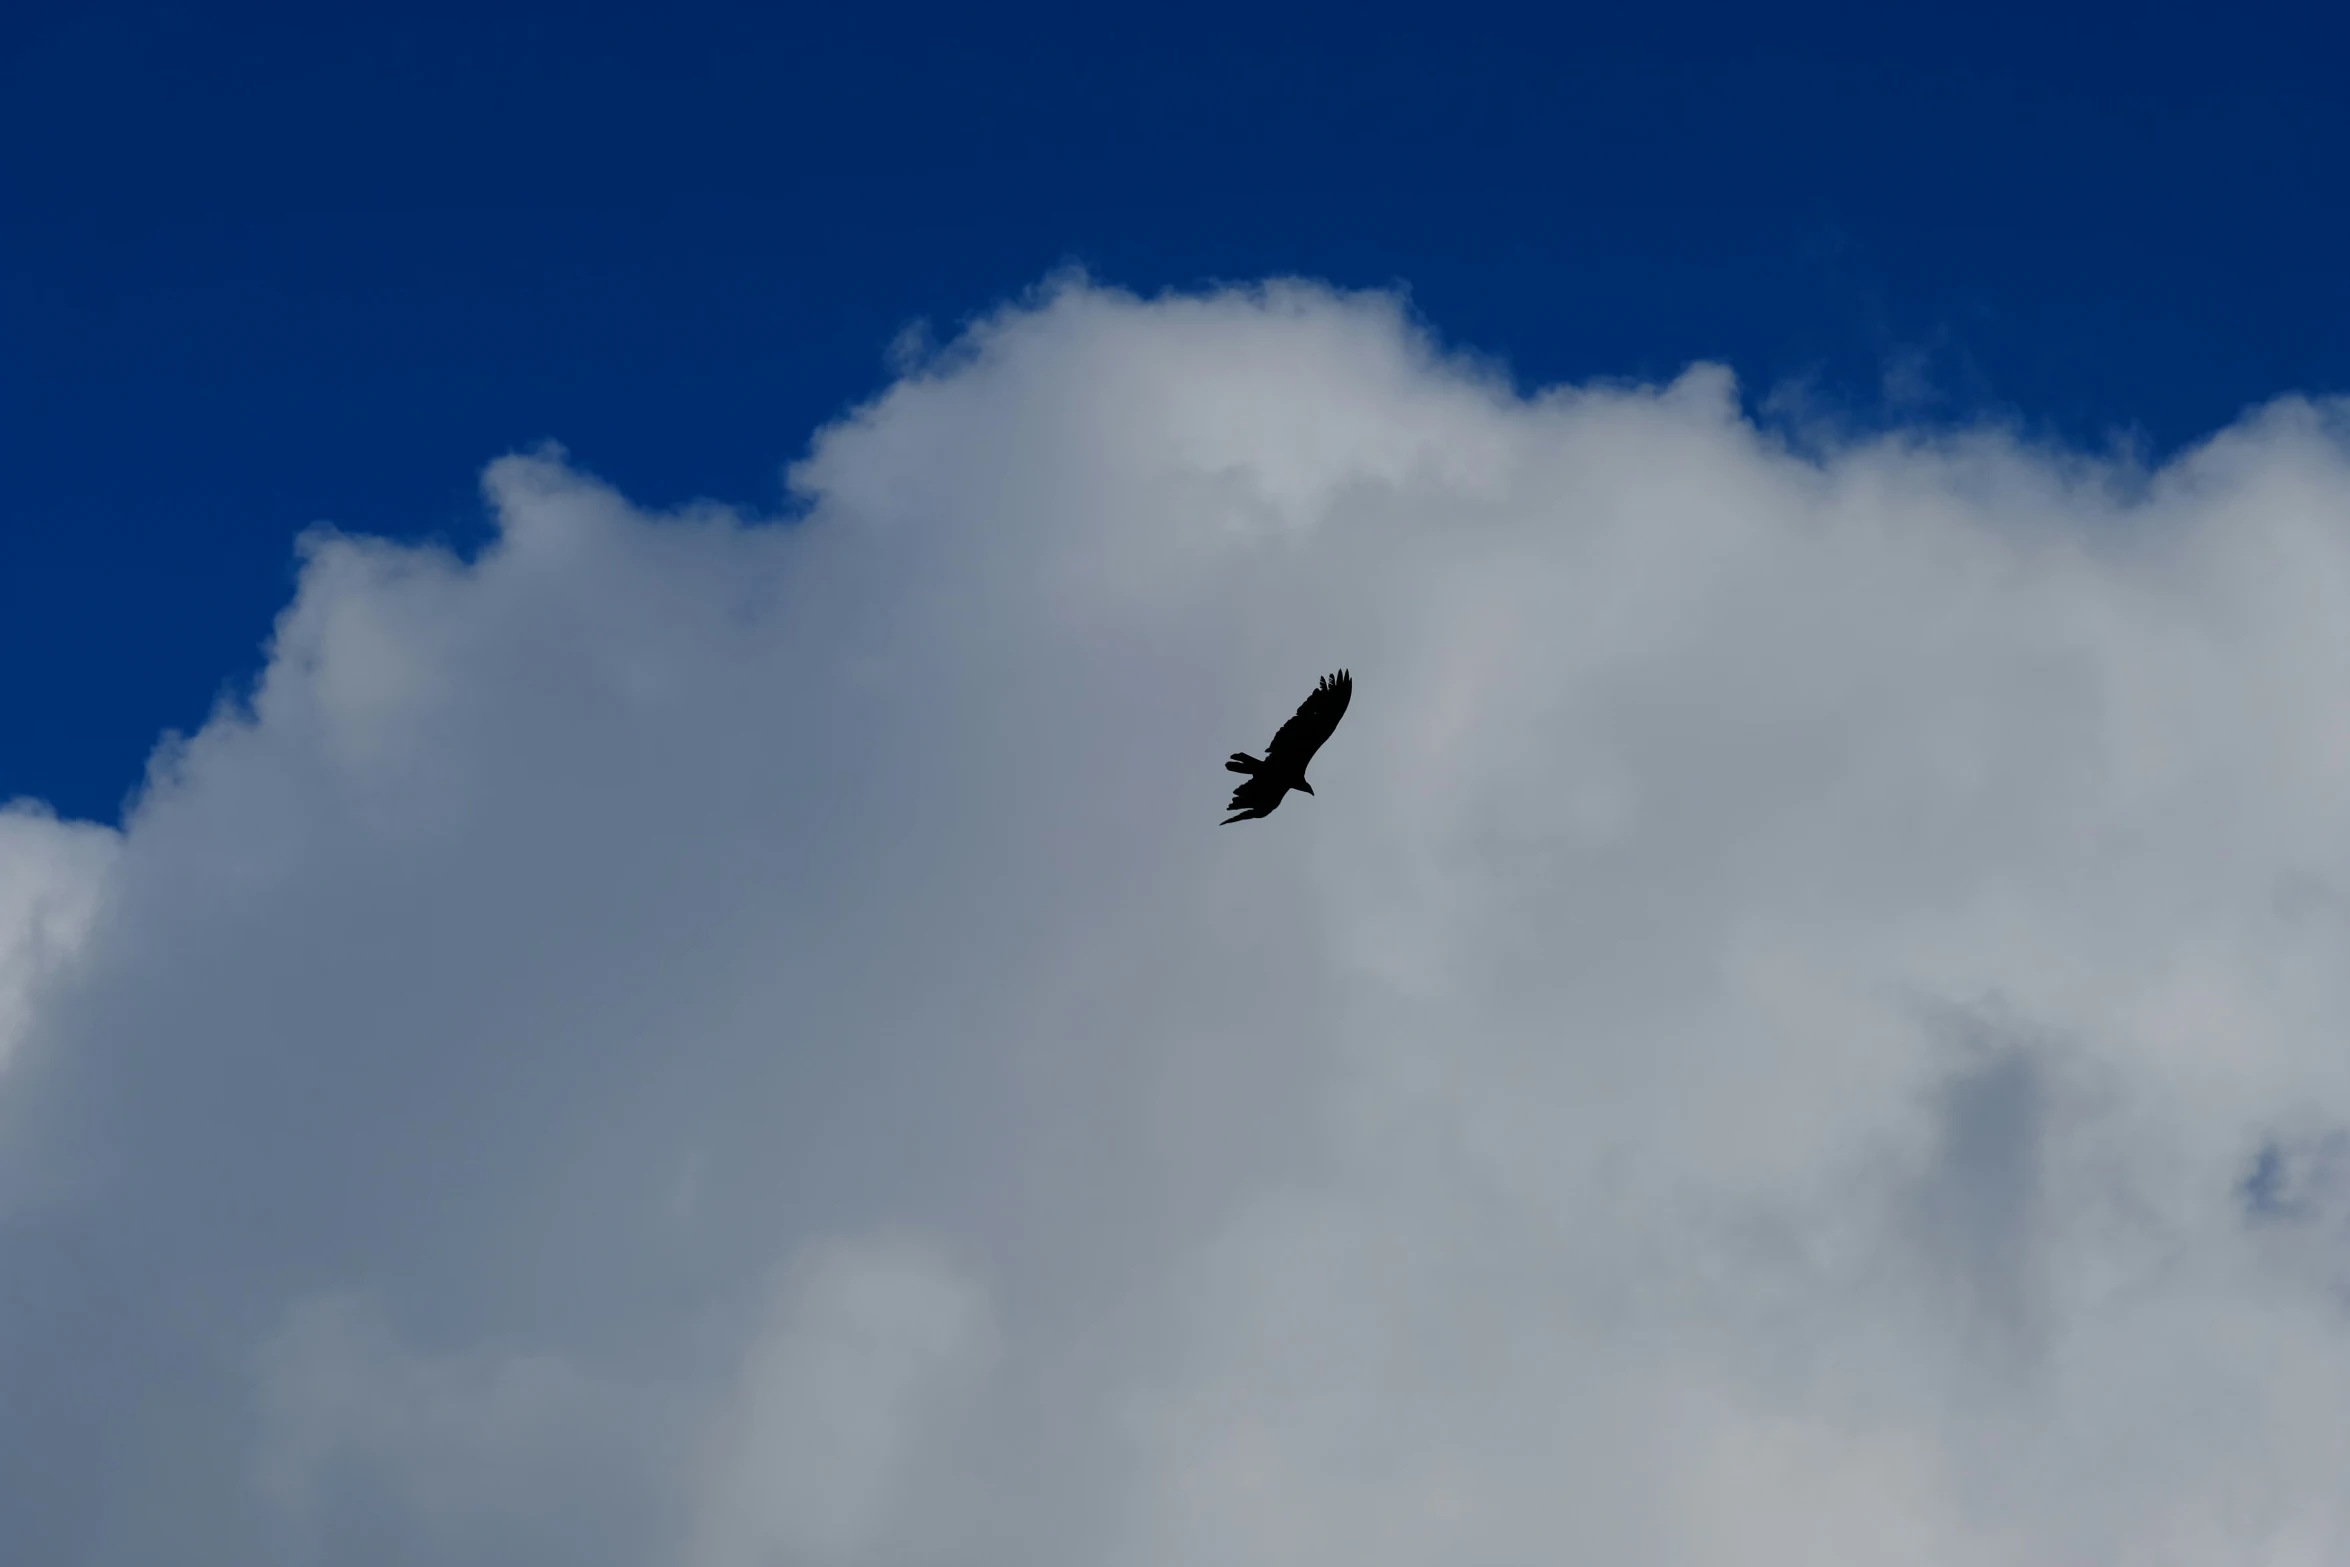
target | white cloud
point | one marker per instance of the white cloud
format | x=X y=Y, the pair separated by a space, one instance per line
x=1804 y=1023
x=51 y=873
x=861 y=1352
x=468 y=1455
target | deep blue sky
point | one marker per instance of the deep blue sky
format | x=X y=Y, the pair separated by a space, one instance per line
x=261 y=269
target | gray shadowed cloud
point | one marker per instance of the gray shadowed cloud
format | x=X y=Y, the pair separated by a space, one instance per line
x=1802 y=1022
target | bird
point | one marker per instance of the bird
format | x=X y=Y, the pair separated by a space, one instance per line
x=1294 y=745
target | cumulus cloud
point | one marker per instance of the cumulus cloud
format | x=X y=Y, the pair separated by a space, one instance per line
x=836 y=1393
x=50 y=874
x=1804 y=1023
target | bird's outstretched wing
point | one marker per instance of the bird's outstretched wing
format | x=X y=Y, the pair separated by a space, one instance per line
x=1295 y=742
x=1253 y=798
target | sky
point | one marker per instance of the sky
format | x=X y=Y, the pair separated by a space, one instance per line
x=614 y=943
x=269 y=267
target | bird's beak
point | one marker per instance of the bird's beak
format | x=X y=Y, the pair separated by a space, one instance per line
x=1307 y=787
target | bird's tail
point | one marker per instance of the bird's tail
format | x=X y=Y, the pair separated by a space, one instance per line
x=1242 y=762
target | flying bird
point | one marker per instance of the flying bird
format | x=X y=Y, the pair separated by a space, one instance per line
x=1294 y=745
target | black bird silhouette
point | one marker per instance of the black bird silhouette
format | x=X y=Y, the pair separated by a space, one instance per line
x=1294 y=745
